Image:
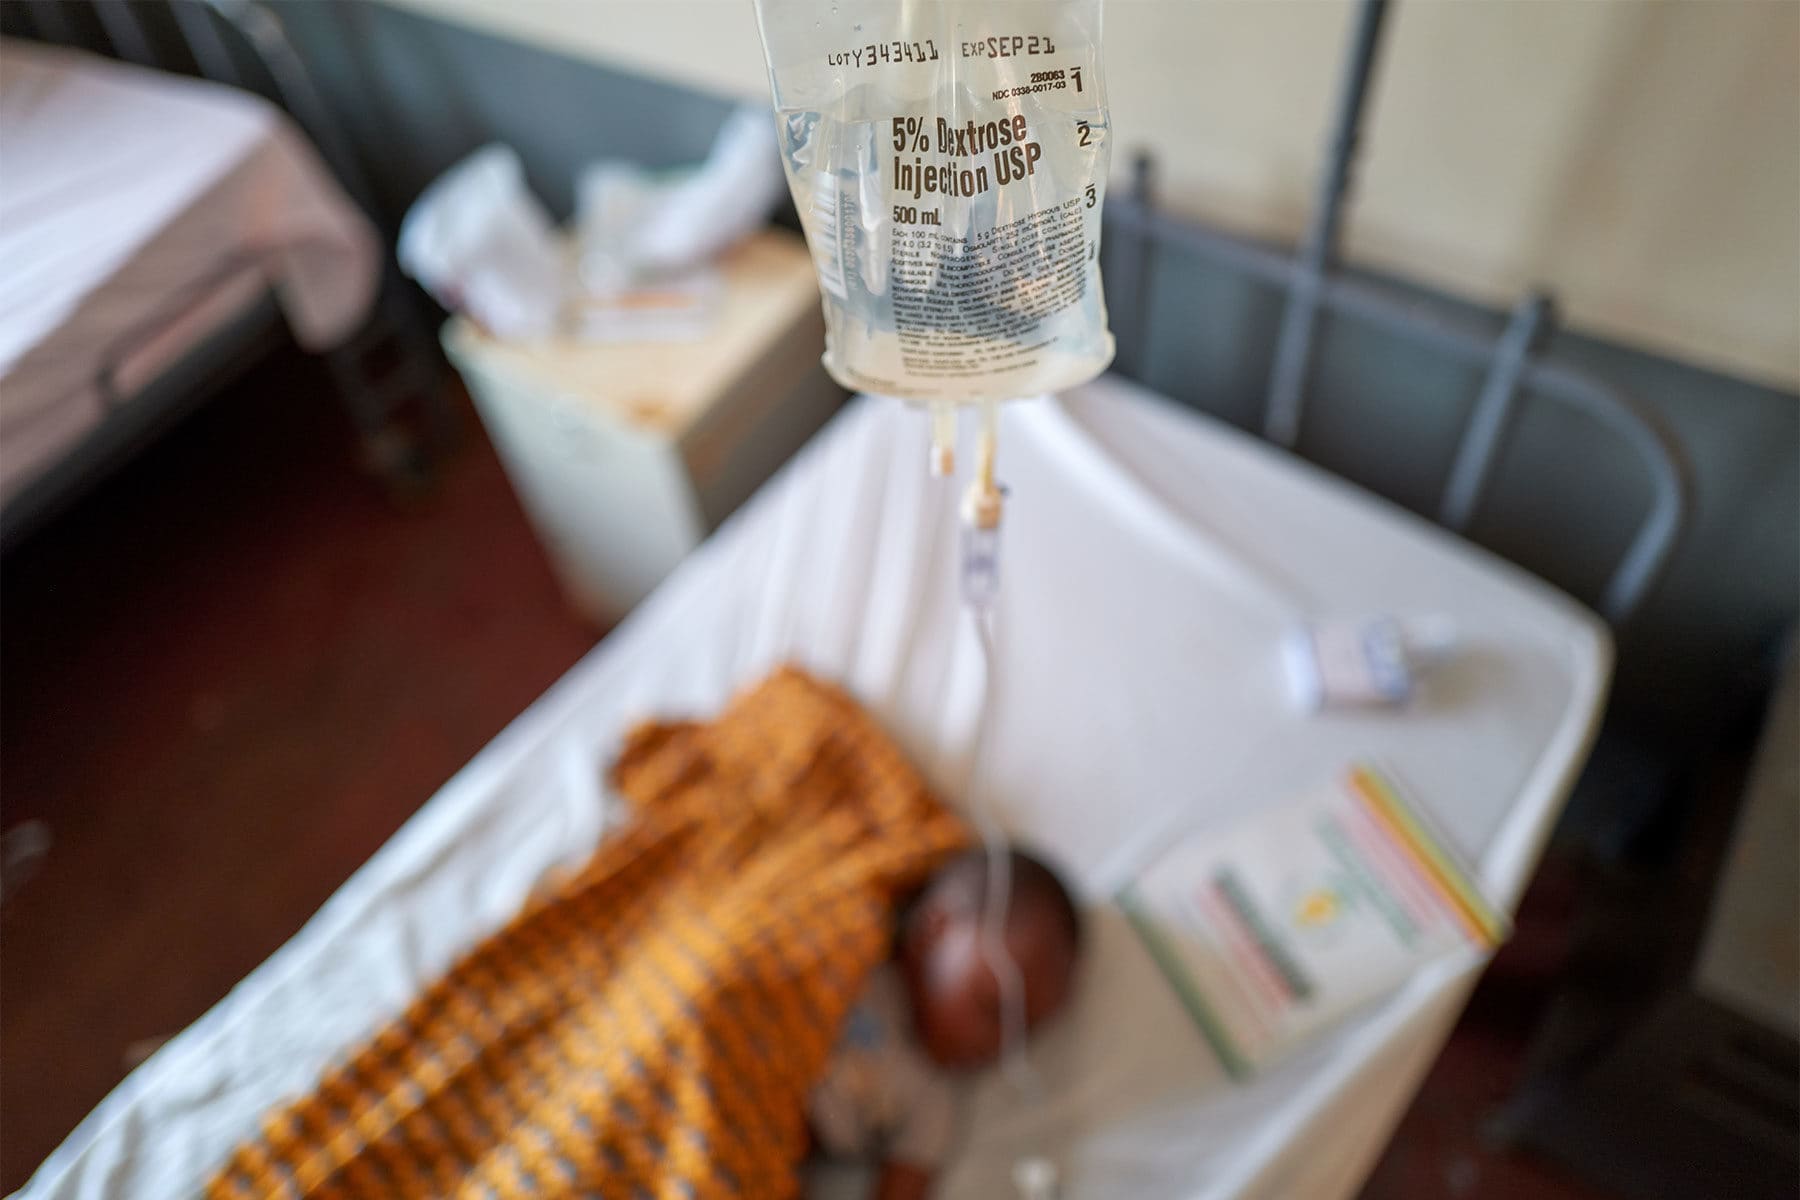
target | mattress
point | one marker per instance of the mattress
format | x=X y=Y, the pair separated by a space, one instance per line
x=139 y=211
x=1152 y=560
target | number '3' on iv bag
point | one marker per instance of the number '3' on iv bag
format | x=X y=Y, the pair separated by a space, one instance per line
x=948 y=159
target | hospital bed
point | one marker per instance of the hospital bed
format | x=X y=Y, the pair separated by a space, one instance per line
x=1153 y=560
x=158 y=234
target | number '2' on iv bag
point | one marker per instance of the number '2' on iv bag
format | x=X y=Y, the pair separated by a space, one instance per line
x=948 y=159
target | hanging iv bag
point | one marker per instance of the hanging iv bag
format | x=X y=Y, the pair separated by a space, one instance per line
x=948 y=159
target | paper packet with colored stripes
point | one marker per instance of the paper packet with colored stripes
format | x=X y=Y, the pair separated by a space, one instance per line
x=1278 y=929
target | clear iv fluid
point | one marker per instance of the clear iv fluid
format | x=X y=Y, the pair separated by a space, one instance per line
x=937 y=296
x=951 y=196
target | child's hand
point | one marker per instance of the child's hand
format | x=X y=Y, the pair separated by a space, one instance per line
x=901 y=1181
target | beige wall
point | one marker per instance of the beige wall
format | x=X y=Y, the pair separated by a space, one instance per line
x=1639 y=157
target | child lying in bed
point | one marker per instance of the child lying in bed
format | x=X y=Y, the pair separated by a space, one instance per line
x=934 y=1012
x=651 y=1026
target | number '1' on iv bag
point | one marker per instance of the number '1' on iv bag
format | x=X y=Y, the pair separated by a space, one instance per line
x=948 y=159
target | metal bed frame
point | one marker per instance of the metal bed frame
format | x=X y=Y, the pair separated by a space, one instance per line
x=1512 y=362
x=382 y=369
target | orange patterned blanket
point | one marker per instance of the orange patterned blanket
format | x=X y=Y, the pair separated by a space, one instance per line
x=651 y=1029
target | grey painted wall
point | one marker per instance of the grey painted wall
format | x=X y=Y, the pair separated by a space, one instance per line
x=417 y=94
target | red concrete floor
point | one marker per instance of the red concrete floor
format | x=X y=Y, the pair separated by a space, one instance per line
x=226 y=681
x=228 y=678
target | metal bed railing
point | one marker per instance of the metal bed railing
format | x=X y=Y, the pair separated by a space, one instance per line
x=1137 y=232
x=388 y=367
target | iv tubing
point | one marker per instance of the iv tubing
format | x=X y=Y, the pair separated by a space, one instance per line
x=1014 y=1064
x=981 y=515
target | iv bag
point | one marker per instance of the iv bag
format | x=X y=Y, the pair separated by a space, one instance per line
x=948 y=159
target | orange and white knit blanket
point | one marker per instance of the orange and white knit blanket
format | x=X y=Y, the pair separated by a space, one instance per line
x=652 y=1028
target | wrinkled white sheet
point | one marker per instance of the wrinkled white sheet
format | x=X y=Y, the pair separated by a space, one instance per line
x=1152 y=558
x=130 y=198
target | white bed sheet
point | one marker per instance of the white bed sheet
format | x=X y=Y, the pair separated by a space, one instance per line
x=1152 y=559
x=126 y=196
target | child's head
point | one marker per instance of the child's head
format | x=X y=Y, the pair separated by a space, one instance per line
x=956 y=997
